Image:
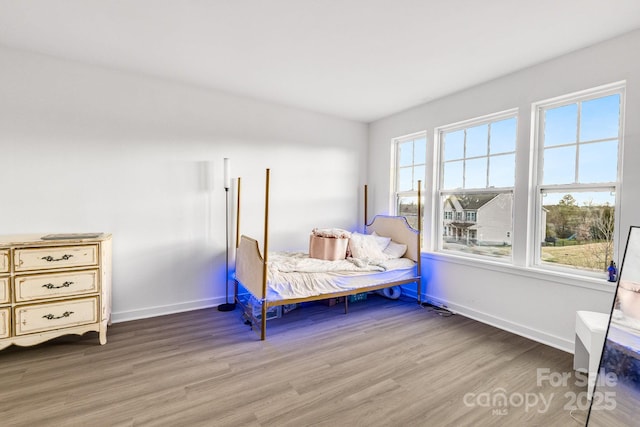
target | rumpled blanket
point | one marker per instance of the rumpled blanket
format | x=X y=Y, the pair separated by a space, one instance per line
x=288 y=262
x=295 y=275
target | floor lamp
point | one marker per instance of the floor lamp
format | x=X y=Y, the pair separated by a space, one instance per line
x=227 y=306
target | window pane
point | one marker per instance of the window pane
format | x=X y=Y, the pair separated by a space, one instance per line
x=418 y=174
x=405 y=153
x=452 y=175
x=560 y=125
x=404 y=179
x=599 y=118
x=477 y=141
x=502 y=170
x=479 y=224
x=410 y=167
x=420 y=151
x=578 y=229
x=408 y=207
x=576 y=223
x=454 y=145
x=598 y=162
x=559 y=165
x=503 y=136
x=475 y=174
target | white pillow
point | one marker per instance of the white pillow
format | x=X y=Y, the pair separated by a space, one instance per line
x=395 y=250
x=365 y=246
x=383 y=242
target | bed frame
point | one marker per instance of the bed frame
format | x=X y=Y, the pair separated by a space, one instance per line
x=251 y=263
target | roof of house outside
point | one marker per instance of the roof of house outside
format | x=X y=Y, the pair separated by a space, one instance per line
x=471 y=201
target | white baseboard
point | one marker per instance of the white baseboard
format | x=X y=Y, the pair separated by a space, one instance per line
x=161 y=310
x=507 y=325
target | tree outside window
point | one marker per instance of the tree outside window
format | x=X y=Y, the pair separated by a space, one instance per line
x=578 y=147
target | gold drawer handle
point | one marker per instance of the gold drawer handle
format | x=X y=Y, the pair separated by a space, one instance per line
x=53 y=317
x=52 y=286
x=49 y=258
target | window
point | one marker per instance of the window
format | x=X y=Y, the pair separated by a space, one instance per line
x=477 y=175
x=578 y=145
x=410 y=167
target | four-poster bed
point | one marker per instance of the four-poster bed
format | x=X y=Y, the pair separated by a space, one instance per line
x=277 y=279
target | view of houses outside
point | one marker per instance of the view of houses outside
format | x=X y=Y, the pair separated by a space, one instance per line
x=478 y=223
x=476 y=187
x=578 y=228
x=577 y=150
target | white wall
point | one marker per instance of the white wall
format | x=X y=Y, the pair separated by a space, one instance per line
x=532 y=303
x=84 y=148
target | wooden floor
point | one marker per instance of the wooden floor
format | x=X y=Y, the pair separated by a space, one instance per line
x=386 y=363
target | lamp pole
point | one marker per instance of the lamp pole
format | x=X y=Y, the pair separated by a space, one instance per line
x=227 y=306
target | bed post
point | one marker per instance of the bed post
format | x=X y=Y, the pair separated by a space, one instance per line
x=235 y=282
x=238 y=217
x=364 y=226
x=265 y=252
x=419 y=284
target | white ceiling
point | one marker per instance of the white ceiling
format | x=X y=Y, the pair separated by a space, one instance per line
x=357 y=59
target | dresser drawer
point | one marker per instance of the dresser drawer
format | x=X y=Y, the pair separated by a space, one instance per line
x=4 y=290
x=41 y=286
x=55 y=257
x=4 y=260
x=55 y=315
x=5 y=324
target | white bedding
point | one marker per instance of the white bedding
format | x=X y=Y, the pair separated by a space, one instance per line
x=295 y=275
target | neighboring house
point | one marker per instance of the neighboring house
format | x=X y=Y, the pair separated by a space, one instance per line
x=478 y=218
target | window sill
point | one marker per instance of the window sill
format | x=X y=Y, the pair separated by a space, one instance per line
x=567 y=279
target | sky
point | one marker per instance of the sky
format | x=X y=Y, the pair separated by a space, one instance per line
x=579 y=144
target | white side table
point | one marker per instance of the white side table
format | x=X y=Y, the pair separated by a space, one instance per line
x=591 y=328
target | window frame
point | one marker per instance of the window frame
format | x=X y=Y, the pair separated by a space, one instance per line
x=538 y=188
x=440 y=192
x=413 y=193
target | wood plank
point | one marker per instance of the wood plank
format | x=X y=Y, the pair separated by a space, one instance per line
x=385 y=363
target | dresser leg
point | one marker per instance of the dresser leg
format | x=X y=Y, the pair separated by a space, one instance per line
x=103 y=335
